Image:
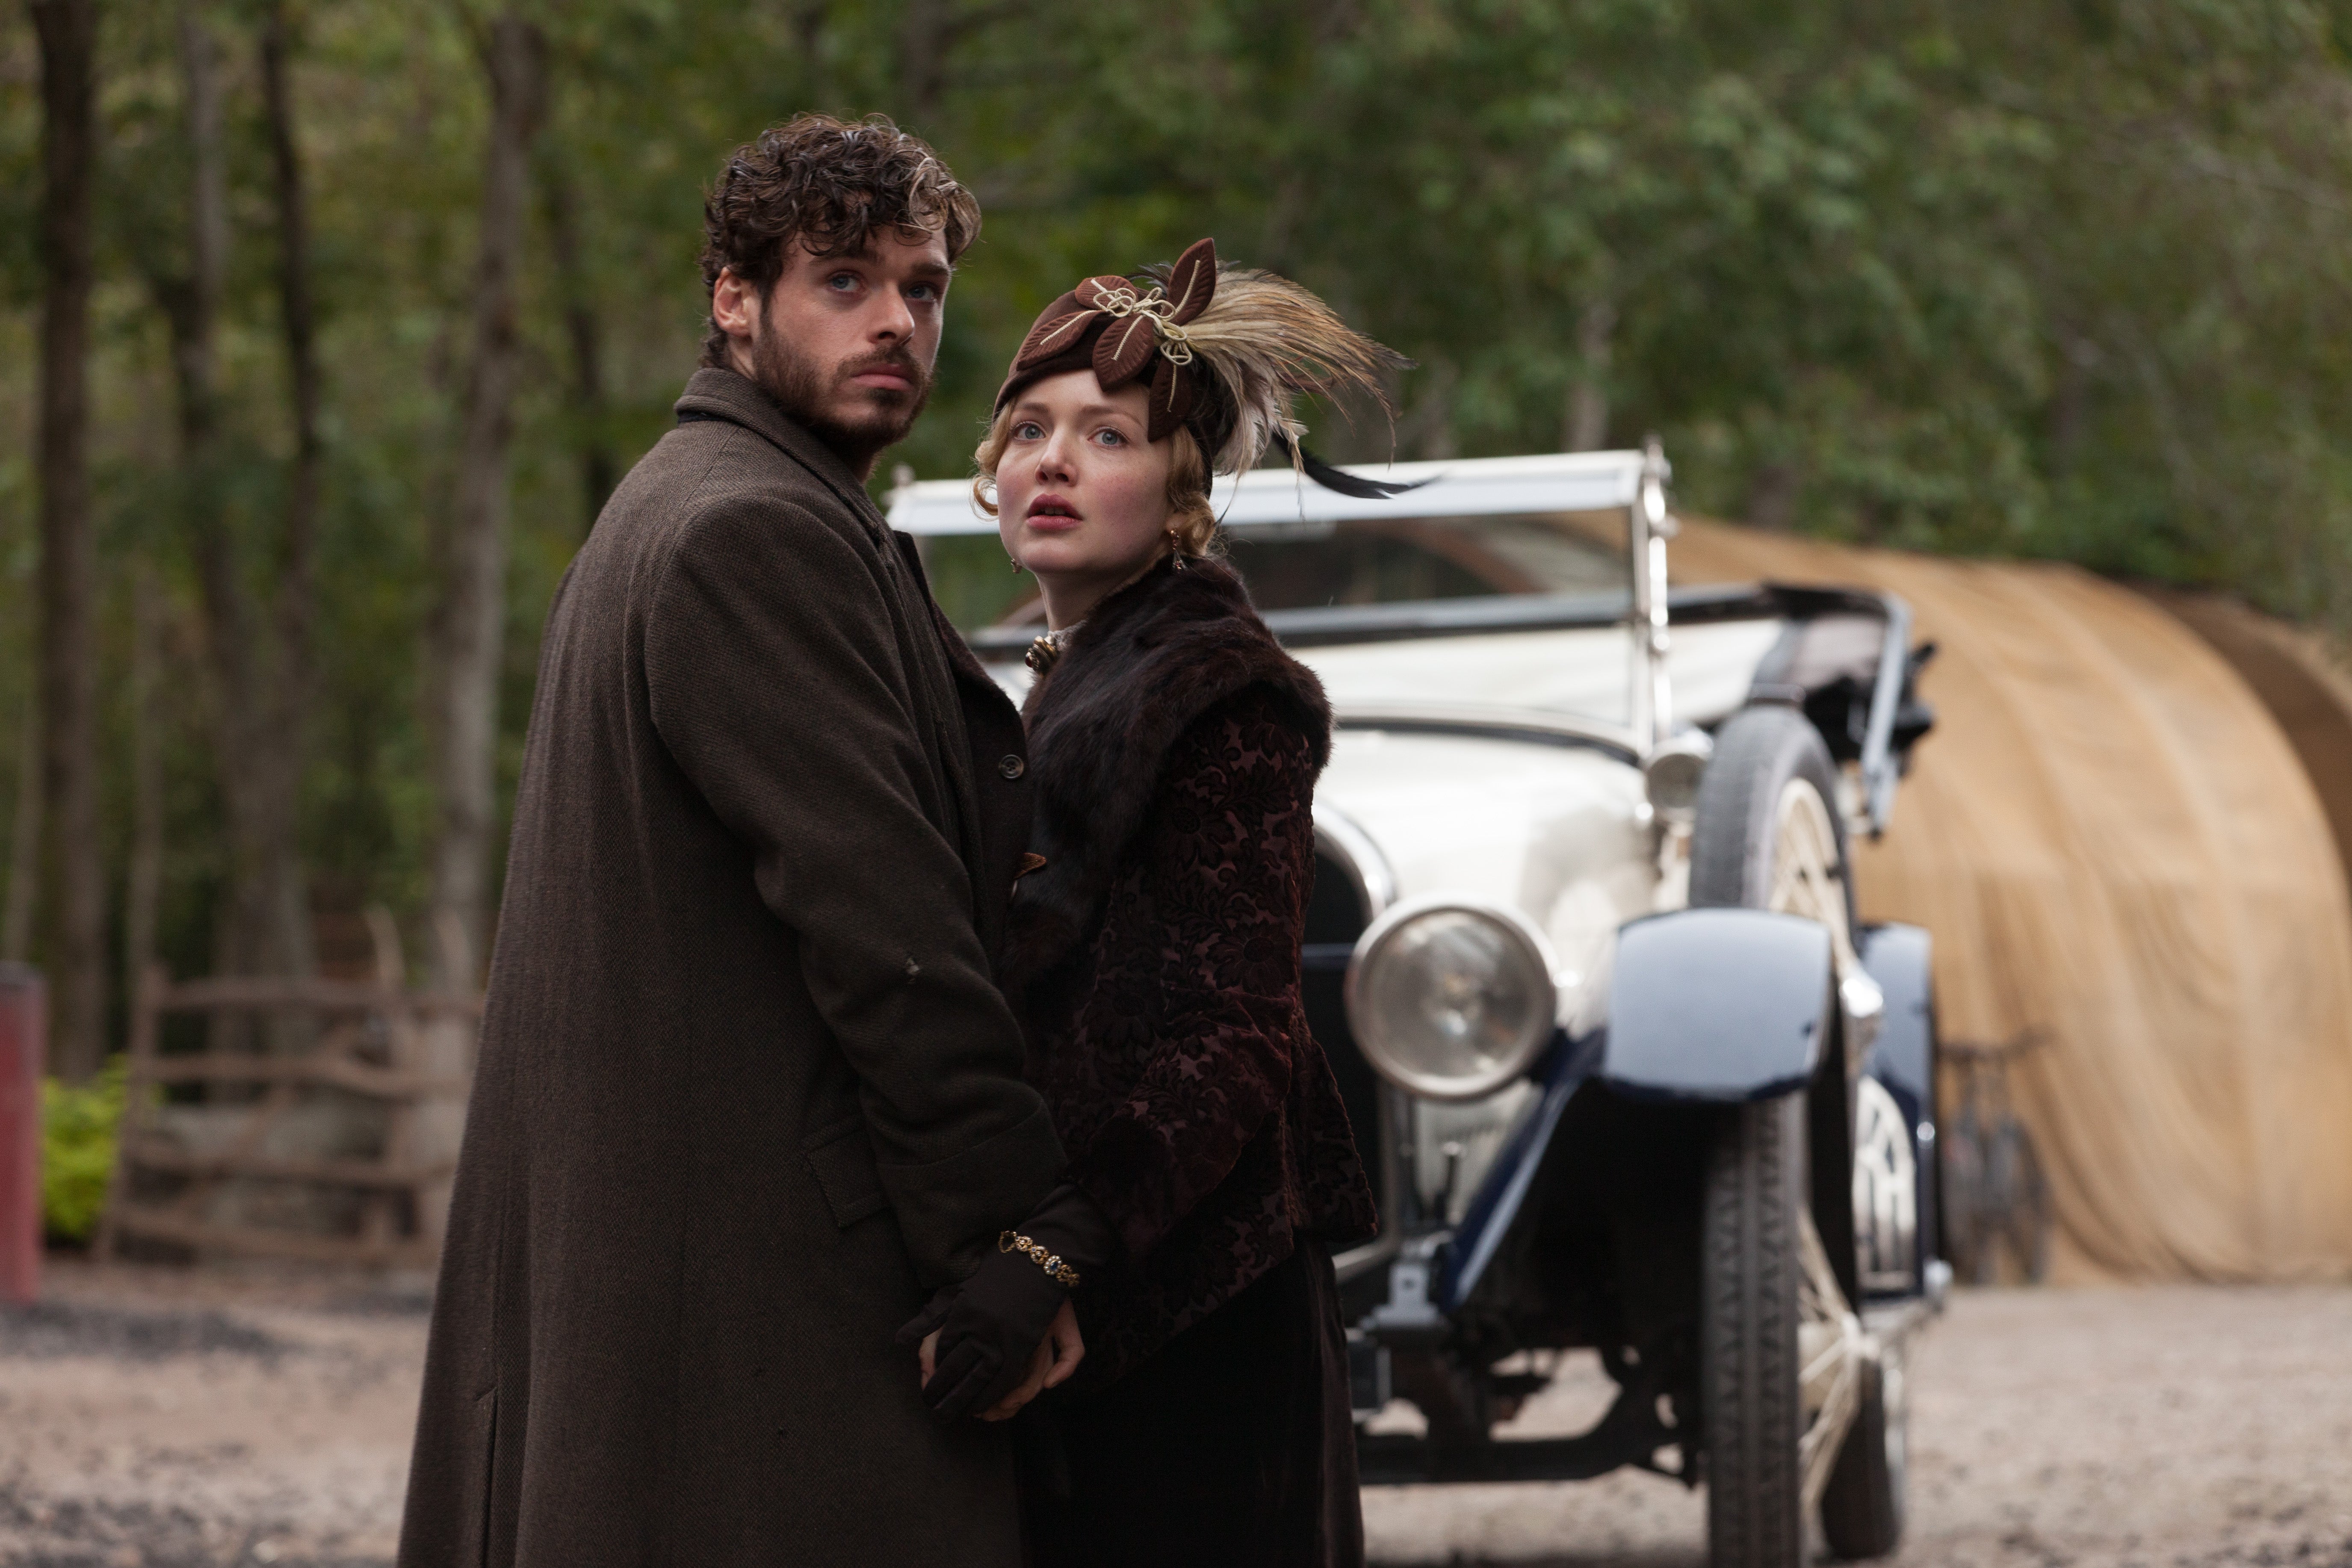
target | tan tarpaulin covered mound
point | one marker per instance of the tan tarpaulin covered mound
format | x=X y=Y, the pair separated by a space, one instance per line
x=2114 y=841
x=2300 y=679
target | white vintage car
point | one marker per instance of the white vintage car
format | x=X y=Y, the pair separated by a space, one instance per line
x=1582 y=952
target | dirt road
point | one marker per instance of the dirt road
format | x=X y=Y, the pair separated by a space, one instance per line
x=172 y=1421
x=2109 y=1428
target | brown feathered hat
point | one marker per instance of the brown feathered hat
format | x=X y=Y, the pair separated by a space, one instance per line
x=1227 y=350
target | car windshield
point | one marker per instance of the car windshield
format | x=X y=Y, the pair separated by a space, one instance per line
x=1389 y=561
x=1412 y=560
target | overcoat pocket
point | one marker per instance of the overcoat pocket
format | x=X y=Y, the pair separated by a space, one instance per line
x=843 y=1161
x=482 y=1473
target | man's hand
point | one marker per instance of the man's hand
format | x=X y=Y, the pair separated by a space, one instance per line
x=989 y=1343
x=1057 y=1356
x=989 y=1327
x=1050 y=1366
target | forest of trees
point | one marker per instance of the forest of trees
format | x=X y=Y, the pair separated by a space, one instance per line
x=328 y=324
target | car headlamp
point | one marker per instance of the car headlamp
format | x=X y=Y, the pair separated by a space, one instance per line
x=1450 y=998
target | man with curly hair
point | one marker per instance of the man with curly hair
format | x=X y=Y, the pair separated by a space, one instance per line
x=749 y=1119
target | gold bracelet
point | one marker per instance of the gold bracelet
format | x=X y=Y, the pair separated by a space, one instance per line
x=1051 y=1262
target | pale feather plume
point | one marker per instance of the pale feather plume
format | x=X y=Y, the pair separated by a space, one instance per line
x=1268 y=341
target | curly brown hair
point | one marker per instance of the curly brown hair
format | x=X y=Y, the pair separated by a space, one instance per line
x=829 y=185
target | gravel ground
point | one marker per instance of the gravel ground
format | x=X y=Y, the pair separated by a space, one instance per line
x=168 y=1419
x=2158 y=1427
x=160 y=1419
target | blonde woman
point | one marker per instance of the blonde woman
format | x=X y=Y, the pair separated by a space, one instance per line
x=1153 y=948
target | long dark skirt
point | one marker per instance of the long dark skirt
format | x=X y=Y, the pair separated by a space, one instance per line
x=1231 y=1448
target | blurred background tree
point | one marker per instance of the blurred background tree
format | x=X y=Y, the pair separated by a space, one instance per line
x=385 y=299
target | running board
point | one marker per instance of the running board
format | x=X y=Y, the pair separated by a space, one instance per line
x=1631 y=1434
x=1898 y=1321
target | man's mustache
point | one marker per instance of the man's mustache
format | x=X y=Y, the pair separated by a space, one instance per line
x=897 y=360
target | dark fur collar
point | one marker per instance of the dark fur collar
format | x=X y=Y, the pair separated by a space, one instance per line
x=1149 y=659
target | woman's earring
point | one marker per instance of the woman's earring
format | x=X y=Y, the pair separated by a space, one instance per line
x=1017 y=567
x=1176 y=549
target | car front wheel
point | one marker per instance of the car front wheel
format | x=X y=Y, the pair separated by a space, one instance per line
x=1788 y=1385
x=1748 y=1369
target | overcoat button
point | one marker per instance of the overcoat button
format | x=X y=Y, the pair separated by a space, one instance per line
x=1011 y=767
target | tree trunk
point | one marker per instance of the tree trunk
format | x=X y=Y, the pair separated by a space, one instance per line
x=288 y=706
x=68 y=45
x=1587 y=426
x=924 y=38
x=928 y=32
x=2069 y=408
x=470 y=618
x=260 y=662
x=599 y=468
x=24 y=842
x=807 y=24
x=192 y=304
x=1426 y=429
x=1772 y=496
x=145 y=884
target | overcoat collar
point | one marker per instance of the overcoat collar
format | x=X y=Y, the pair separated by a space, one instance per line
x=1150 y=659
x=723 y=395
x=715 y=394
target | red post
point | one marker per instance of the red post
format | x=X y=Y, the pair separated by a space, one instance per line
x=24 y=1047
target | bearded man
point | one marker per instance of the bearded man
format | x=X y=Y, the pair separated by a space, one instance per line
x=748 y=1095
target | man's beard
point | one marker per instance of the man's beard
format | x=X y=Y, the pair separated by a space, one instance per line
x=855 y=422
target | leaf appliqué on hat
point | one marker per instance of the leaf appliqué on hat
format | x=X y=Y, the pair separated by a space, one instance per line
x=1192 y=281
x=1123 y=349
x=1064 y=322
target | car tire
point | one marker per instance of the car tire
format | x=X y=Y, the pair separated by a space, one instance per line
x=1862 y=1508
x=1759 y=753
x=1766 y=760
x=1749 y=1394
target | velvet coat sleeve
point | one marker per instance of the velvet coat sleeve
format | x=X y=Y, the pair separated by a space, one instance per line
x=768 y=685
x=1222 y=873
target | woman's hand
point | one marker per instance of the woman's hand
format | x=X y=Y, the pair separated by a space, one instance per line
x=1057 y=1355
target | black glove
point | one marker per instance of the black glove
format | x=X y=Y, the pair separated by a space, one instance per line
x=991 y=1324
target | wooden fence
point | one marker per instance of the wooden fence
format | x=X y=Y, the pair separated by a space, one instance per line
x=412 y=1051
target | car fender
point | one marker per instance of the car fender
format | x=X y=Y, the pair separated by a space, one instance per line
x=1710 y=1006
x=1717 y=1005
x=1901 y=958
x=1895 y=1168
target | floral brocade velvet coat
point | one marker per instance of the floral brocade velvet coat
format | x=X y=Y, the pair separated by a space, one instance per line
x=1155 y=954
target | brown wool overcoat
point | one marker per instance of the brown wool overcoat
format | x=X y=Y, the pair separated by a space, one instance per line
x=747 y=1089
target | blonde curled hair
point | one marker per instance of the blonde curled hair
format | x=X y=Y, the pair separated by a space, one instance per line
x=1189 y=516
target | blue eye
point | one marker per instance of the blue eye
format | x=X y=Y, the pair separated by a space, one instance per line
x=1111 y=438
x=842 y=280
x=1028 y=430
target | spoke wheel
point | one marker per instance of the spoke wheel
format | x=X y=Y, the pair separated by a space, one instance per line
x=1861 y=1509
x=1787 y=1371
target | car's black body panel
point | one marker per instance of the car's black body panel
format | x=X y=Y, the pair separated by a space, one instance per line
x=1721 y=1006
x=1901 y=958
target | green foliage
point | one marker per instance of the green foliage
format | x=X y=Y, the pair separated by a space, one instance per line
x=2070 y=281
x=77 y=1130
